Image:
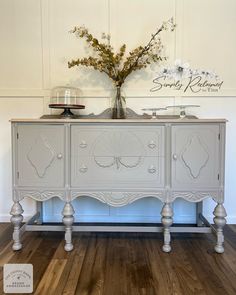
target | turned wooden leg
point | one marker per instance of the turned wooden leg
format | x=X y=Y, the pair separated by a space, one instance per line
x=167 y=214
x=68 y=219
x=219 y=221
x=16 y=219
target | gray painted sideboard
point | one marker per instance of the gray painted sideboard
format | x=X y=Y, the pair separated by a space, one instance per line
x=118 y=162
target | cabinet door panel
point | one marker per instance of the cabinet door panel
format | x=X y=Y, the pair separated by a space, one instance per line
x=40 y=155
x=195 y=156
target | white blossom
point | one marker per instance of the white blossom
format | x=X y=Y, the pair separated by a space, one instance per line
x=181 y=70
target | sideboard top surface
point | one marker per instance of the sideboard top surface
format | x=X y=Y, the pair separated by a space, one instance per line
x=116 y=121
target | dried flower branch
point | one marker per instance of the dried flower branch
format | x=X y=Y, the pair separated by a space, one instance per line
x=115 y=65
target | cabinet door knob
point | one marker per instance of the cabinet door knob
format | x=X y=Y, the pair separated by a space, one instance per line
x=59 y=156
x=83 y=169
x=152 y=144
x=152 y=169
x=175 y=157
x=83 y=144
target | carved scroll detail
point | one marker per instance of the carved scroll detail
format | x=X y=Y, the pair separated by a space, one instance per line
x=118 y=149
x=41 y=156
x=41 y=195
x=118 y=199
x=195 y=147
x=194 y=196
x=118 y=162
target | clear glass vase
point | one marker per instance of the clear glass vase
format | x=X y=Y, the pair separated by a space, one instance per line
x=118 y=104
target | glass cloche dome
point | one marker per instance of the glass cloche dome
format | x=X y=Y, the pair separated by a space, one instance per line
x=67 y=98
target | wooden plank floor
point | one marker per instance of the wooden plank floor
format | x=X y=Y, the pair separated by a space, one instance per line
x=124 y=263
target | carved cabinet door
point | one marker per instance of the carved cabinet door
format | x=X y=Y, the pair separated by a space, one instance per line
x=195 y=156
x=40 y=155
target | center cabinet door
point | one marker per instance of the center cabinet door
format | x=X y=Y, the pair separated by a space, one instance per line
x=117 y=157
x=40 y=159
x=195 y=156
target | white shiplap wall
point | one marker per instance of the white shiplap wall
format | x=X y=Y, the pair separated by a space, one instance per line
x=35 y=48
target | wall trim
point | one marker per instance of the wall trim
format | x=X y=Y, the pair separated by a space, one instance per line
x=45 y=44
x=22 y=92
x=104 y=93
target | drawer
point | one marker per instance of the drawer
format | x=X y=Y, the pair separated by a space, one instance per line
x=117 y=140
x=123 y=172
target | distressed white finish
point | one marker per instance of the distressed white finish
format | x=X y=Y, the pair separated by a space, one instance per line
x=118 y=162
